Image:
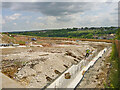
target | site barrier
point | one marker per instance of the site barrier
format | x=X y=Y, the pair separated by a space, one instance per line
x=76 y=72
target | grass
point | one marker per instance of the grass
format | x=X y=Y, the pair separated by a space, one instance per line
x=114 y=71
x=114 y=78
x=21 y=42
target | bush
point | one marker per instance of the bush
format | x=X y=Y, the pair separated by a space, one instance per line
x=114 y=54
x=114 y=71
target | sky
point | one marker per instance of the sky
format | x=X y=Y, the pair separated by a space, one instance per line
x=25 y=16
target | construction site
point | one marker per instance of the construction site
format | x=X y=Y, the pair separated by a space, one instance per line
x=41 y=62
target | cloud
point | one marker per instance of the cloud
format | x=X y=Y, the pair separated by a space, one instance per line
x=13 y=17
x=27 y=22
x=45 y=15
x=39 y=18
x=14 y=23
x=60 y=0
x=3 y=21
x=49 y=8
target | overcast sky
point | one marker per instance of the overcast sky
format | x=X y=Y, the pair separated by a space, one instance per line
x=18 y=16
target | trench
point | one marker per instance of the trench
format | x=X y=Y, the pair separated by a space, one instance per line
x=76 y=72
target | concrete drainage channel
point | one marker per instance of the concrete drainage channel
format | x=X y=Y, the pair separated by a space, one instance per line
x=74 y=75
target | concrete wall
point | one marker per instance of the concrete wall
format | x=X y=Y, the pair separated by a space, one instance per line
x=76 y=72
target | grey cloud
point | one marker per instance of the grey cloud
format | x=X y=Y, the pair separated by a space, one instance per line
x=65 y=14
x=49 y=8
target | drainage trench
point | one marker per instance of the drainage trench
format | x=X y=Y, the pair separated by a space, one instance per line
x=71 y=77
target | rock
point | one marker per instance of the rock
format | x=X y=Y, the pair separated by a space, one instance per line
x=65 y=66
x=99 y=83
x=26 y=71
x=97 y=77
x=108 y=67
x=19 y=69
x=49 y=79
x=38 y=68
x=57 y=72
x=103 y=59
x=75 y=60
x=107 y=64
x=67 y=75
x=30 y=78
x=95 y=81
x=70 y=54
x=102 y=78
x=98 y=70
x=93 y=76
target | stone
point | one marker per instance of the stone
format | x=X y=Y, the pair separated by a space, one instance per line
x=107 y=64
x=97 y=77
x=19 y=69
x=67 y=75
x=57 y=72
x=99 y=83
x=38 y=68
x=26 y=71
x=49 y=79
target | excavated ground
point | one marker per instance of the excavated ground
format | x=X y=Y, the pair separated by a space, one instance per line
x=96 y=77
x=34 y=67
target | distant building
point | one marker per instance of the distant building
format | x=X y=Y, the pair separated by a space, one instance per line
x=109 y=37
x=95 y=37
x=102 y=37
x=105 y=29
x=12 y=35
x=79 y=29
x=112 y=34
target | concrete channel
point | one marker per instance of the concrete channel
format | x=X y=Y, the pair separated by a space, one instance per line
x=77 y=72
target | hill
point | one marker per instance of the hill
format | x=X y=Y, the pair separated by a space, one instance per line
x=89 y=33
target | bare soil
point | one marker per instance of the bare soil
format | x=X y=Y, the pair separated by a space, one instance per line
x=35 y=67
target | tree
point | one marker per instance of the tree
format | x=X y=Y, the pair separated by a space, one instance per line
x=118 y=34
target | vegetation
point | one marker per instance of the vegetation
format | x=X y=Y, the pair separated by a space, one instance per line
x=114 y=72
x=118 y=34
x=21 y=42
x=114 y=75
x=71 y=32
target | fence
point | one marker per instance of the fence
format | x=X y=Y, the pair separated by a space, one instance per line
x=117 y=42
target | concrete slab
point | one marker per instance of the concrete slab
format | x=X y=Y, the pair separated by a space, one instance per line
x=9 y=83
